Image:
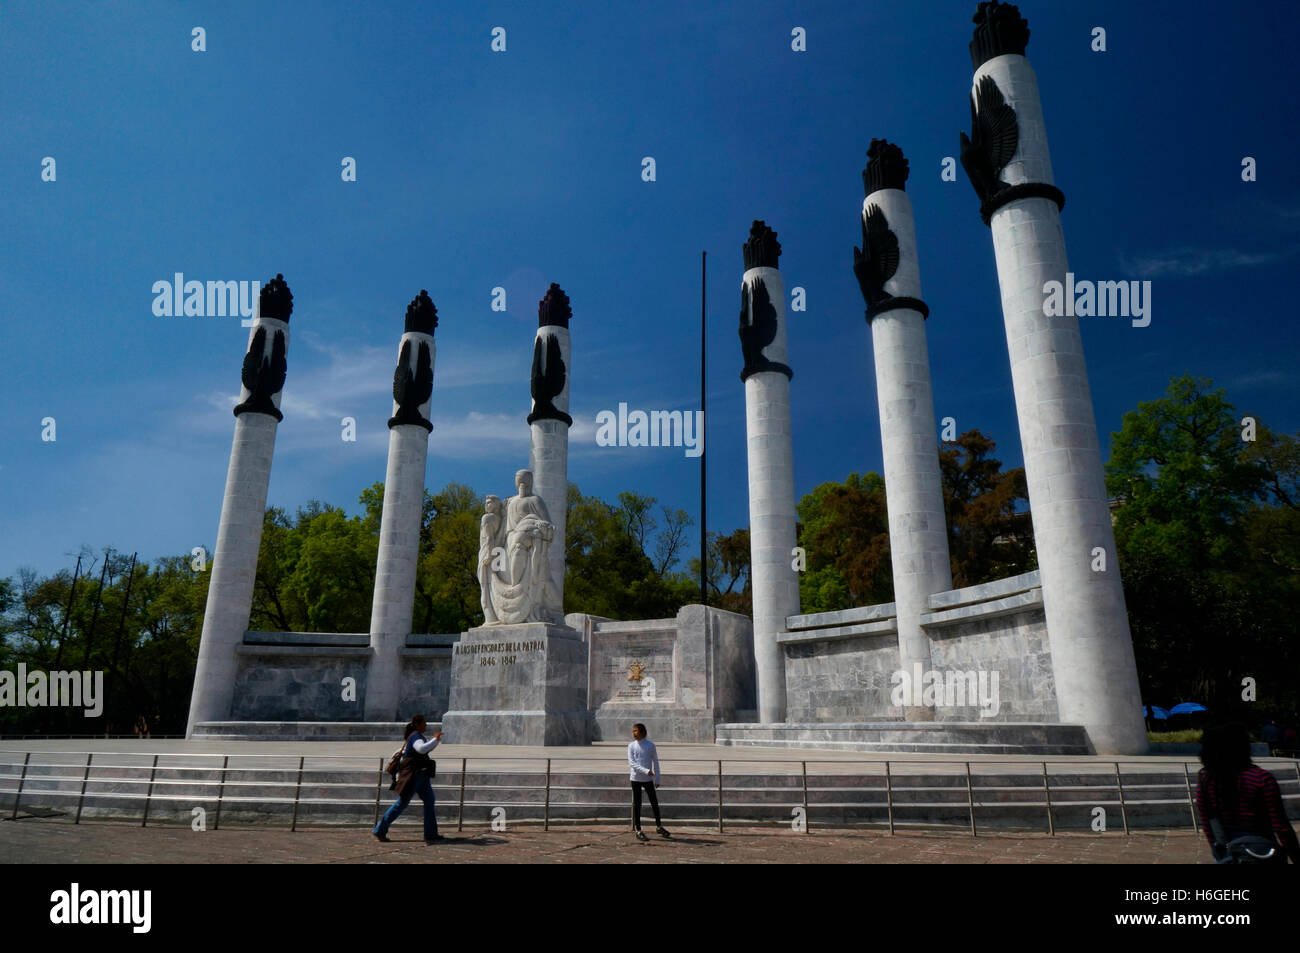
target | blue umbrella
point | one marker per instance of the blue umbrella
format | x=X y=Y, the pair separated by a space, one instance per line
x=1156 y=712
x=1187 y=708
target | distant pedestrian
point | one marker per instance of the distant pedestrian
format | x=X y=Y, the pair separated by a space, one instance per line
x=1240 y=804
x=1290 y=740
x=412 y=779
x=643 y=759
x=1271 y=735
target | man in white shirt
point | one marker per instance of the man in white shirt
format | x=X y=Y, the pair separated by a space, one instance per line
x=643 y=759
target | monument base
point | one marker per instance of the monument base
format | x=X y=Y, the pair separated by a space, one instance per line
x=523 y=684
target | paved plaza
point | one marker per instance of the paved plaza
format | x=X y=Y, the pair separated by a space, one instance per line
x=58 y=841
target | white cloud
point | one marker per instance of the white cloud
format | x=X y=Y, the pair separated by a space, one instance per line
x=1188 y=262
x=1257 y=378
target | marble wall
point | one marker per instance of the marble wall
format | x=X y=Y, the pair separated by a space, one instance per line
x=299 y=676
x=679 y=676
x=840 y=665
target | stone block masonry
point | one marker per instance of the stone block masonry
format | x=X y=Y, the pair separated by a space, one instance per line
x=1092 y=651
x=772 y=535
x=239 y=534
x=889 y=272
x=399 y=528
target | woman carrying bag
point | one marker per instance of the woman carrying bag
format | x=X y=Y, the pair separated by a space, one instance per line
x=413 y=777
x=1241 y=804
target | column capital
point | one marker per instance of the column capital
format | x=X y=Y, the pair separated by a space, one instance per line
x=999 y=29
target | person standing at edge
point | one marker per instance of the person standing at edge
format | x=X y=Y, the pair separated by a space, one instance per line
x=412 y=779
x=1240 y=802
x=643 y=759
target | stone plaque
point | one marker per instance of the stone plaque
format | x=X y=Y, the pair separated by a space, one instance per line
x=637 y=668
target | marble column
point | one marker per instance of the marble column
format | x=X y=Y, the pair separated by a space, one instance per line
x=399 y=524
x=549 y=422
x=1007 y=160
x=890 y=277
x=773 y=579
x=239 y=534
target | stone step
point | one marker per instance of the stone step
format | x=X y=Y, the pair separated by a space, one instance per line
x=302 y=730
x=1012 y=738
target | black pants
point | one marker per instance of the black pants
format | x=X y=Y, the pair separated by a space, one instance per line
x=649 y=788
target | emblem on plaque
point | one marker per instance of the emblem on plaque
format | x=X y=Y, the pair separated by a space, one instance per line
x=636 y=671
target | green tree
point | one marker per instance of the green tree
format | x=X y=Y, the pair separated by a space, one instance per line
x=1202 y=535
x=333 y=576
x=315 y=572
x=145 y=646
x=989 y=532
x=728 y=583
x=1178 y=466
x=844 y=531
x=446 y=584
x=608 y=571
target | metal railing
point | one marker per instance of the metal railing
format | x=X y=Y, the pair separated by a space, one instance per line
x=838 y=794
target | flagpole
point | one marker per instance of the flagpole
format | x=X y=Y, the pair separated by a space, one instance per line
x=704 y=443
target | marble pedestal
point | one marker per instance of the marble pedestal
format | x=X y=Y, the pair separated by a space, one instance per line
x=522 y=684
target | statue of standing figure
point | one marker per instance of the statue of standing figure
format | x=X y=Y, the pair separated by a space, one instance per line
x=514 y=571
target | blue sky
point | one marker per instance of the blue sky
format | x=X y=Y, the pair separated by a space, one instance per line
x=478 y=169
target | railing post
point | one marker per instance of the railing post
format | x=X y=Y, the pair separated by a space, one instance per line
x=21 y=780
x=379 y=790
x=1191 y=802
x=221 y=791
x=970 y=800
x=153 y=773
x=546 y=811
x=1047 y=793
x=297 y=794
x=889 y=796
x=84 y=778
x=460 y=818
x=1123 y=809
x=719 y=797
x=804 y=766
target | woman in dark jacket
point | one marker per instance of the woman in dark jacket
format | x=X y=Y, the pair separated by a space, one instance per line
x=1239 y=798
x=412 y=779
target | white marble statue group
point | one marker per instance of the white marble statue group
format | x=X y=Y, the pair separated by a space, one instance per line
x=514 y=573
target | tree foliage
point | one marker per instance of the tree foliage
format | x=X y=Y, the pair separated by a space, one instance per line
x=1209 y=548
x=620 y=560
x=145 y=645
x=844 y=529
x=990 y=533
x=315 y=573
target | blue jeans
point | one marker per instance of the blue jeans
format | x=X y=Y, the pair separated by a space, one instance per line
x=423 y=787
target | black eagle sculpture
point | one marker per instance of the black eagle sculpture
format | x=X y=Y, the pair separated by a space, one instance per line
x=878 y=258
x=263 y=376
x=999 y=30
x=547 y=380
x=758 y=327
x=410 y=390
x=877 y=261
x=992 y=143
